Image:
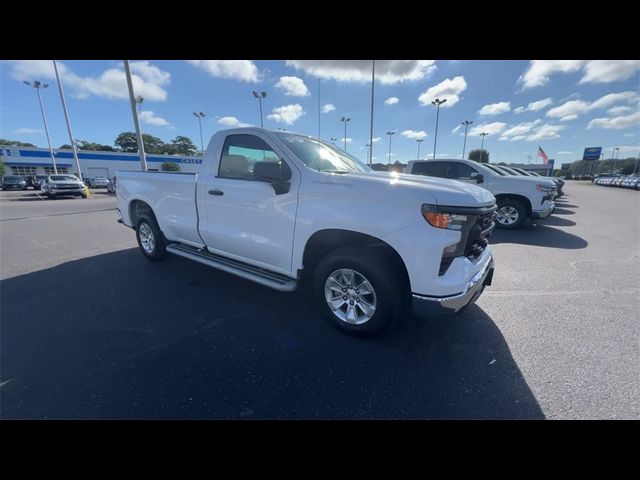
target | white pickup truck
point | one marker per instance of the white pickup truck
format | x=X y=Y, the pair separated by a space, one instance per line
x=280 y=208
x=519 y=198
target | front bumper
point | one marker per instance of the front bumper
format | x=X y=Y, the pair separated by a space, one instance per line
x=547 y=208
x=424 y=306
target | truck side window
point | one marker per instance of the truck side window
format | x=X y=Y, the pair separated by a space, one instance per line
x=431 y=169
x=461 y=171
x=240 y=153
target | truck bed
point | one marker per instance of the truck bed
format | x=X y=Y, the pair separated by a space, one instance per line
x=172 y=195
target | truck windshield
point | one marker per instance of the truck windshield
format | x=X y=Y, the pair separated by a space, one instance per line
x=495 y=170
x=63 y=178
x=322 y=156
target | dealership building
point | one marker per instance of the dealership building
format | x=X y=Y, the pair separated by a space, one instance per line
x=33 y=161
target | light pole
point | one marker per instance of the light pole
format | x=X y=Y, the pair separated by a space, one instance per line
x=466 y=124
x=390 y=134
x=139 y=102
x=260 y=96
x=615 y=158
x=200 y=116
x=529 y=157
x=134 y=112
x=368 y=146
x=437 y=102
x=333 y=140
x=483 y=134
x=345 y=120
x=419 y=141
x=66 y=117
x=38 y=85
x=373 y=78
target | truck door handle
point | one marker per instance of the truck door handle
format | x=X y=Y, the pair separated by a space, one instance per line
x=216 y=192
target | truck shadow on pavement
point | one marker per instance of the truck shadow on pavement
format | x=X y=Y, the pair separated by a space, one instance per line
x=543 y=235
x=117 y=336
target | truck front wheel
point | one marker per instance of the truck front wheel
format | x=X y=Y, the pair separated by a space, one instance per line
x=356 y=290
x=510 y=214
x=150 y=239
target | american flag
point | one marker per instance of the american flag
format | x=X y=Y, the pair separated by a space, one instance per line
x=543 y=155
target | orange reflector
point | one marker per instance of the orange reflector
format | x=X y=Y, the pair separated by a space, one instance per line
x=439 y=220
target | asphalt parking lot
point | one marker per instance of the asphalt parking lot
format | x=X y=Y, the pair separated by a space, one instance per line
x=91 y=329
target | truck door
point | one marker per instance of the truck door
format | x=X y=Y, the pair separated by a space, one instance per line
x=245 y=219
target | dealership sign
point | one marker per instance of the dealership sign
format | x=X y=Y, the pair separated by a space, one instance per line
x=592 y=153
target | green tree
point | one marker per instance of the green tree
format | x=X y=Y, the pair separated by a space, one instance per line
x=15 y=143
x=184 y=146
x=85 y=145
x=478 y=155
x=1 y=167
x=170 y=167
x=127 y=142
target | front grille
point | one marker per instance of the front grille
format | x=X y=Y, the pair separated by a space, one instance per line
x=479 y=235
x=474 y=236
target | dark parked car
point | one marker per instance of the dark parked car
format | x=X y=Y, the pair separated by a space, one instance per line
x=99 y=182
x=13 y=182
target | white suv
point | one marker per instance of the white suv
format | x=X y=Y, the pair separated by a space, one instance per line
x=518 y=198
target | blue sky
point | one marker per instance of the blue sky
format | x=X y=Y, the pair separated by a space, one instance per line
x=561 y=105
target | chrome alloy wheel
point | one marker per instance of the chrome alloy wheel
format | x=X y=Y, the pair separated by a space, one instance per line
x=146 y=238
x=507 y=215
x=350 y=296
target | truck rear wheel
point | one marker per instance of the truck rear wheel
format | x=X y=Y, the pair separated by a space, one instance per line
x=356 y=290
x=510 y=214
x=150 y=239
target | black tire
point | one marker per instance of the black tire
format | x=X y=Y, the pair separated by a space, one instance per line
x=50 y=196
x=521 y=212
x=159 y=251
x=378 y=270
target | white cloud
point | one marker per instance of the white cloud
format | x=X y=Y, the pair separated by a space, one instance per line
x=148 y=80
x=287 y=114
x=539 y=104
x=293 y=87
x=495 y=108
x=349 y=140
x=519 y=110
x=449 y=89
x=243 y=70
x=571 y=109
x=594 y=71
x=329 y=107
x=414 y=134
x=546 y=131
x=630 y=135
x=620 y=110
x=455 y=130
x=519 y=130
x=388 y=72
x=27 y=131
x=490 y=128
x=150 y=118
x=392 y=100
x=376 y=139
x=230 y=121
x=616 y=123
x=566 y=152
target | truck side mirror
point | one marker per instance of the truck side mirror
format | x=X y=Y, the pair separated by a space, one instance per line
x=478 y=176
x=277 y=174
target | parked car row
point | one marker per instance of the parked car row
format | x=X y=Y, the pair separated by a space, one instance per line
x=520 y=195
x=623 y=181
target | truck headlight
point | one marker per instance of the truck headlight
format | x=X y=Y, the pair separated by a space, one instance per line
x=544 y=188
x=436 y=217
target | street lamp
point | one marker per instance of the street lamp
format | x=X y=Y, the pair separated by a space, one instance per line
x=484 y=134
x=38 y=85
x=333 y=140
x=74 y=146
x=200 y=116
x=466 y=124
x=368 y=146
x=437 y=102
x=260 y=96
x=419 y=141
x=390 y=134
x=345 y=120
x=134 y=114
x=615 y=158
x=139 y=101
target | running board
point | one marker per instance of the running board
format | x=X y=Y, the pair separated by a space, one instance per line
x=258 y=275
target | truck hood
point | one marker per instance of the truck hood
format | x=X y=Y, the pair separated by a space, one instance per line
x=442 y=191
x=530 y=181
